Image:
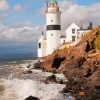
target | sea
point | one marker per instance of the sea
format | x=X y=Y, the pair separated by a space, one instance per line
x=15 y=84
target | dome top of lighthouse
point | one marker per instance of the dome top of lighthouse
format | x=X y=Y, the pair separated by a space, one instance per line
x=53 y=1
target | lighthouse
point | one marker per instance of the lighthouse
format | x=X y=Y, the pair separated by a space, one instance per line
x=47 y=45
x=53 y=27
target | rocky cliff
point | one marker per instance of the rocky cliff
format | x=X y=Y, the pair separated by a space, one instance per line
x=80 y=62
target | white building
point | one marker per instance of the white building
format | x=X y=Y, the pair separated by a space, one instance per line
x=42 y=46
x=74 y=33
x=71 y=33
x=54 y=39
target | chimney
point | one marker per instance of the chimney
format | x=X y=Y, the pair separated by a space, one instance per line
x=90 y=27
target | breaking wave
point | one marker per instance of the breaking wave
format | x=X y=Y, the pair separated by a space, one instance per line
x=17 y=89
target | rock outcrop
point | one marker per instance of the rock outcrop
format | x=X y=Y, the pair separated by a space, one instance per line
x=80 y=63
x=51 y=78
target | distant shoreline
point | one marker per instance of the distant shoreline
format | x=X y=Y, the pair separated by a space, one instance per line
x=17 y=57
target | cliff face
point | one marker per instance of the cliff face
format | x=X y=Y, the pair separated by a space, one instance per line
x=81 y=66
x=82 y=60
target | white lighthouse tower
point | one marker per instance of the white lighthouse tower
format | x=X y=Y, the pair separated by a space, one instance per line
x=53 y=27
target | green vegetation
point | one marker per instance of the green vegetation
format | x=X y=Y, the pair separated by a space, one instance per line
x=90 y=35
x=94 y=39
x=97 y=43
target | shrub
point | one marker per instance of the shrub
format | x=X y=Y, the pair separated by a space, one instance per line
x=97 y=43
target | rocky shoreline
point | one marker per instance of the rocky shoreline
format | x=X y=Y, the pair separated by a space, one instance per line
x=81 y=66
x=27 y=82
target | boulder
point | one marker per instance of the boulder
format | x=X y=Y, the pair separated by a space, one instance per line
x=29 y=66
x=37 y=65
x=87 y=64
x=95 y=76
x=51 y=78
x=87 y=72
x=29 y=71
x=78 y=51
x=32 y=98
x=2 y=88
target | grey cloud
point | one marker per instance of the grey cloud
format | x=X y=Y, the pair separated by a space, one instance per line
x=75 y=13
x=19 y=34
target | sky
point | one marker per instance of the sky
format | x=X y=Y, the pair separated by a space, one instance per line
x=21 y=21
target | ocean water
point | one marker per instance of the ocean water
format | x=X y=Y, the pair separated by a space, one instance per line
x=14 y=85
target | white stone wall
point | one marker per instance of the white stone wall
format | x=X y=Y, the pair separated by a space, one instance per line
x=42 y=50
x=53 y=41
x=53 y=36
x=53 y=19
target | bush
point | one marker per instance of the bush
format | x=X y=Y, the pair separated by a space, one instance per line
x=97 y=43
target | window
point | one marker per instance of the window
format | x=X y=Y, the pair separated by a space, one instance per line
x=39 y=45
x=63 y=41
x=51 y=20
x=73 y=38
x=73 y=31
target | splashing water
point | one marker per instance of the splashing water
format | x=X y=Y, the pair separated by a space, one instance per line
x=17 y=89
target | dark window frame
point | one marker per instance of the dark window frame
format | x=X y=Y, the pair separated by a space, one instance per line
x=73 y=31
x=39 y=45
x=73 y=38
x=53 y=27
x=64 y=41
x=51 y=20
x=51 y=34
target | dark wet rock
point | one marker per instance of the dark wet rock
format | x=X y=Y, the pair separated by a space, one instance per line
x=61 y=81
x=24 y=72
x=65 y=90
x=2 y=88
x=38 y=64
x=54 y=71
x=29 y=66
x=87 y=72
x=51 y=78
x=80 y=61
x=29 y=71
x=32 y=98
x=95 y=77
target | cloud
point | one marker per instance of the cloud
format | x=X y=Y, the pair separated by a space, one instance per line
x=19 y=8
x=4 y=5
x=72 y=12
x=19 y=34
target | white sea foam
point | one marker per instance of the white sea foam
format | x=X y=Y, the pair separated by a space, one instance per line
x=17 y=89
